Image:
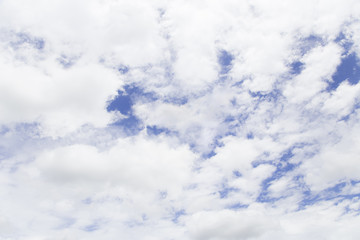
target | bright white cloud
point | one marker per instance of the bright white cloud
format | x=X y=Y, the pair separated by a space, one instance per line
x=62 y=99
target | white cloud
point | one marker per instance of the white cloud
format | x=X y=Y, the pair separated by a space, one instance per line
x=129 y=177
x=337 y=159
x=132 y=163
x=226 y=224
x=342 y=100
x=66 y=172
x=62 y=99
x=320 y=64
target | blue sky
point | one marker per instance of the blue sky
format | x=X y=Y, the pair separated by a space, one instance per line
x=179 y=120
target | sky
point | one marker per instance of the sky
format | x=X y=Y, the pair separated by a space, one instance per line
x=179 y=119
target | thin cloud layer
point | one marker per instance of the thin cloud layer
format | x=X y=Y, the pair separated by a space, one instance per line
x=179 y=119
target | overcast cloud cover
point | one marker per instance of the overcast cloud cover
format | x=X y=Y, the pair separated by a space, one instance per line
x=179 y=119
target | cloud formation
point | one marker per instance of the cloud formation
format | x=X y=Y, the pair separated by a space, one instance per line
x=179 y=119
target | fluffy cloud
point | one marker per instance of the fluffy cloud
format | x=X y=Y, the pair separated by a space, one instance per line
x=137 y=164
x=314 y=74
x=62 y=99
x=337 y=159
x=136 y=175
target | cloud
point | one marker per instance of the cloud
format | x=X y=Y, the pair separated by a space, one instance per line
x=179 y=119
x=315 y=73
x=68 y=181
x=228 y=224
x=342 y=101
x=61 y=99
x=337 y=158
x=135 y=163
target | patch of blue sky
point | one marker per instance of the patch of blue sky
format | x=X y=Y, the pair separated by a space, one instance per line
x=281 y=170
x=264 y=197
x=258 y=162
x=231 y=122
x=352 y=211
x=233 y=102
x=231 y=131
x=312 y=41
x=123 y=103
x=156 y=130
x=177 y=214
x=224 y=193
x=229 y=126
x=348 y=70
x=229 y=118
x=353 y=110
x=267 y=158
x=24 y=38
x=237 y=206
x=354 y=182
x=287 y=155
x=332 y=193
x=131 y=125
x=240 y=119
x=226 y=190
x=274 y=97
x=225 y=60
x=216 y=143
x=301 y=185
x=345 y=42
x=239 y=84
x=296 y=67
x=346 y=117
x=283 y=166
x=250 y=135
x=271 y=96
x=4 y=129
x=237 y=173
x=208 y=154
x=123 y=69
x=139 y=94
x=305 y=44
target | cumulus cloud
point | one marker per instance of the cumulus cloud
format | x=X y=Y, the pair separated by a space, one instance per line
x=134 y=174
x=62 y=99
